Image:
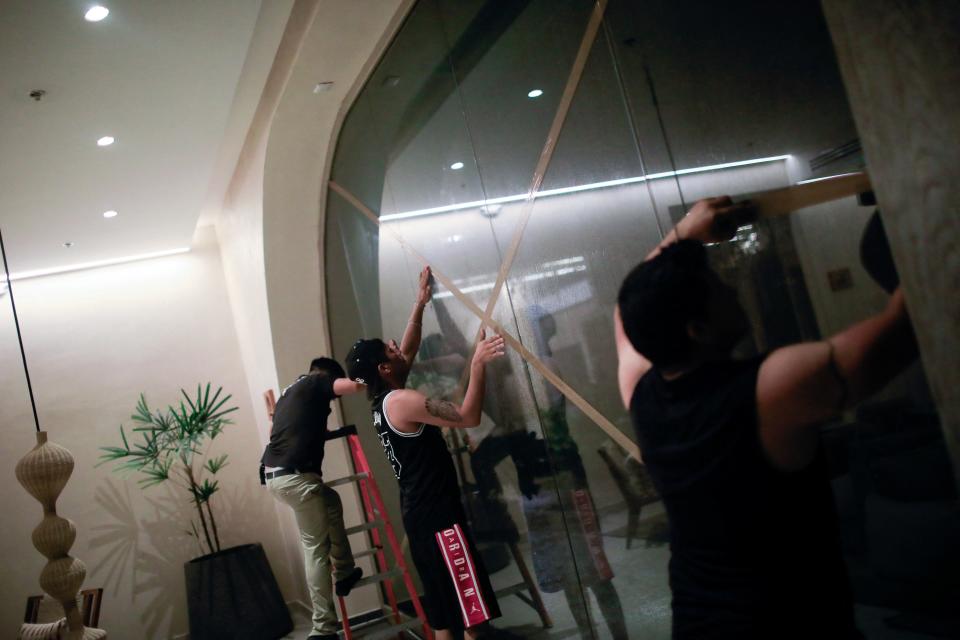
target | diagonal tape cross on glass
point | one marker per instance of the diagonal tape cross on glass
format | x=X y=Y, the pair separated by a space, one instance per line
x=775 y=202
x=540 y=171
x=543 y=163
x=546 y=155
x=589 y=410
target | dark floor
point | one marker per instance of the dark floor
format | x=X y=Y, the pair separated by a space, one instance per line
x=642 y=590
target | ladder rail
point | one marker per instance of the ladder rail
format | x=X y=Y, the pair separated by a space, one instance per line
x=381 y=558
x=356 y=451
x=363 y=473
x=375 y=514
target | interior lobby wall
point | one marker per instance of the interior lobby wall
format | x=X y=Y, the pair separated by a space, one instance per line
x=95 y=340
x=240 y=229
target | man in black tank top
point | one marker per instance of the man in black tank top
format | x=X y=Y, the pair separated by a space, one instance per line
x=458 y=592
x=732 y=446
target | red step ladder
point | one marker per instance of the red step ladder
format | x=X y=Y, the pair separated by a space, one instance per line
x=376 y=518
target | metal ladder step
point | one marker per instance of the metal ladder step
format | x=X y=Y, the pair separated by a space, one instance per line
x=512 y=589
x=392 y=630
x=366 y=526
x=348 y=479
x=367 y=552
x=379 y=577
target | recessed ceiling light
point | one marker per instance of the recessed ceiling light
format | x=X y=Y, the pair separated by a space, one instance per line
x=323 y=87
x=67 y=245
x=536 y=93
x=105 y=141
x=110 y=214
x=456 y=166
x=96 y=13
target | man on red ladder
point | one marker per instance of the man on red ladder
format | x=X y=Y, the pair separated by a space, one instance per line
x=458 y=592
x=291 y=469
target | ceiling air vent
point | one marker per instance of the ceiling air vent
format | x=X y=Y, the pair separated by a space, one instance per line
x=824 y=158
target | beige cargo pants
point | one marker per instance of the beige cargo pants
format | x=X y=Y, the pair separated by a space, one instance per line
x=319 y=513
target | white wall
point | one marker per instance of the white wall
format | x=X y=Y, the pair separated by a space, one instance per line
x=239 y=228
x=95 y=339
x=240 y=232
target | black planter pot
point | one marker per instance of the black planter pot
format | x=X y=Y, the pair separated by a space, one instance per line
x=232 y=595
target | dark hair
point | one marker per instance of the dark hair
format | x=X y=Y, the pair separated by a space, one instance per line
x=363 y=361
x=328 y=366
x=660 y=297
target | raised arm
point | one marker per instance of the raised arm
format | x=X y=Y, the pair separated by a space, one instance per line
x=346 y=386
x=709 y=220
x=630 y=365
x=801 y=386
x=411 y=335
x=453 y=362
x=408 y=408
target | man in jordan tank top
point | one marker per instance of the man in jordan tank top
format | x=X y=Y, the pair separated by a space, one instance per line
x=732 y=445
x=459 y=596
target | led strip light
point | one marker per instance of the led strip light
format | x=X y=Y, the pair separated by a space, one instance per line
x=584 y=187
x=23 y=275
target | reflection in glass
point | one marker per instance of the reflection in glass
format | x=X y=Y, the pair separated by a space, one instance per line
x=675 y=104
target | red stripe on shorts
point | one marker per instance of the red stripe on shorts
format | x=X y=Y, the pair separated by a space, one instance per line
x=456 y=555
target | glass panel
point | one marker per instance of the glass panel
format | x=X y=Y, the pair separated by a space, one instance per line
x=442 y=144
x=733 y=81
x=504 y=52
x=433 y=196
x=410 y=111
x=617 y=528
x=579 y=242
x=578 y=245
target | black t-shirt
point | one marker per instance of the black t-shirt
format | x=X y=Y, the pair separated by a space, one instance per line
x=300 y=424
x=421 y=462
x=755 y=552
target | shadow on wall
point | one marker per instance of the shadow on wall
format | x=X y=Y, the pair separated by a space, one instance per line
x=149 y=547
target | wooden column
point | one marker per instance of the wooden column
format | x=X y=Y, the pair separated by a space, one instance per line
x=900 y=61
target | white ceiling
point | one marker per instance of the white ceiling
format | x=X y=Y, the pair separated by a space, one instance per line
x=166 y=79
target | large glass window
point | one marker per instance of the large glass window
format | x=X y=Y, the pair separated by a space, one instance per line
x=533 y=152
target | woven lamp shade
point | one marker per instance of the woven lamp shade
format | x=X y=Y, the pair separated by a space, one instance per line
x=54 y=536
x=44 y=472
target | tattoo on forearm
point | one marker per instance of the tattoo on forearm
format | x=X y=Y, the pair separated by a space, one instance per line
x=443 y=410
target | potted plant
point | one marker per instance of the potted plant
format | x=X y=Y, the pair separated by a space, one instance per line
x=231 y=593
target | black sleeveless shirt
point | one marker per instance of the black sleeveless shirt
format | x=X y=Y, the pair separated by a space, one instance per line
x=421 y=462
x=755 y=552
